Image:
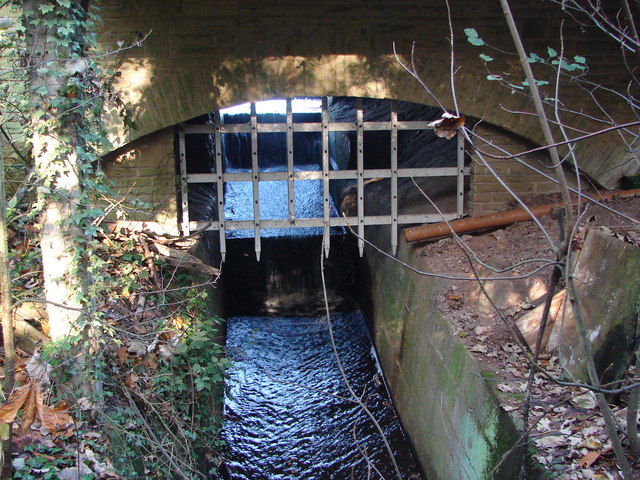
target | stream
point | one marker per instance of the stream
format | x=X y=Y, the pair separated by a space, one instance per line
x=288 y=412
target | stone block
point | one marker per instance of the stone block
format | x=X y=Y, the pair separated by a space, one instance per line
x=480 y=197
x=546 y=187
x=608 y=296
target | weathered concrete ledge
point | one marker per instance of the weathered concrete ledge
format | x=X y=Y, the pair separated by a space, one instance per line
x=448 y=410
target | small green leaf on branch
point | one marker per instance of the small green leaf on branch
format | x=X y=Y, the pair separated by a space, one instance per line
x=473 y=38
x=533 y=58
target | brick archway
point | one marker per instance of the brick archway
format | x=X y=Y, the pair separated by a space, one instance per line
x=198 y=56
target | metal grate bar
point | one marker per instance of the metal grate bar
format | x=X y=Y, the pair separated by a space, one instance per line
x=184 y=226
x=360 y=177
x=255 y=179
x=309 y=127
x=326 y=238
x=394 y=177
x=333 y=174
x=290 y=182
x=220 y=184
x=460 y=174
x=333 y=221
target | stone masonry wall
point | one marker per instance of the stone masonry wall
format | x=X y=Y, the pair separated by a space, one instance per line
x=145 y=171
x=486 y=194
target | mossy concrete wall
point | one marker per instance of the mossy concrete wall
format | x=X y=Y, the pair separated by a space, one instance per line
x=194 y=57
x=447 y=408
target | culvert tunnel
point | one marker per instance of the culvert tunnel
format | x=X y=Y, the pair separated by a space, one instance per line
x=292 y=409
x=290 y=406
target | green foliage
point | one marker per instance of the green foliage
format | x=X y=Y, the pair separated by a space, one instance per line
x=44 y=461
x=552 y=61
x=173 y=384
x=179 y=402
x=473 y=38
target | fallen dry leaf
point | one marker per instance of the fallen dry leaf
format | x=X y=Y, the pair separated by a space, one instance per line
x=53 y=419
x=122 y=354
x=166 y=351
x=29 y=398
x=586 y=400
x=589 y=459
x=39 y=370
x=130 y=381
x=137 y=348
x=30 y=407
x=150 y=362
x=454 y=301
x=10 y=409
x=479 y=349
x=550 y=441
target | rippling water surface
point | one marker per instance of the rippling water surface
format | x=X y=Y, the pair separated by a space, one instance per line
x=288 y=412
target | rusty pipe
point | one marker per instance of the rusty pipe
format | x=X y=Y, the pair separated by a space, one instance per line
x=471 y=224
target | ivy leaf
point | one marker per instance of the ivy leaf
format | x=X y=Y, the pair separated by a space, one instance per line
x=44 y=9
x=494 y=77
x=473 y=38
x=538 y=82
x=552 y=53
x=486 y=58
x=65 y=30
x=580 y=59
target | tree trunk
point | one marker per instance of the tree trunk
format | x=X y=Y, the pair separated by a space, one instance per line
x=7 y=327
x=54 y=143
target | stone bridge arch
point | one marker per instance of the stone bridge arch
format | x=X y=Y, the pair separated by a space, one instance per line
x=194 y=57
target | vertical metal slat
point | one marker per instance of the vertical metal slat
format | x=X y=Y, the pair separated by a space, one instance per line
x=460 y=183
x=326 y=238
x=220 y=183
x=290 y=189
x=360 y=168
x=394 y=177
x=183 y=183
x=255 y=179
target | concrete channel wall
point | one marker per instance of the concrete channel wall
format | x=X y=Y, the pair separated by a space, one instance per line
x=447 y=408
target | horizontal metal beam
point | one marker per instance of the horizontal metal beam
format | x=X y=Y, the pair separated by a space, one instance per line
x=305 y=127
x=333 y=174
x=319 y=222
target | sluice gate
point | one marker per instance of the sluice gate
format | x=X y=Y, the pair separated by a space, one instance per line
x=340 y=171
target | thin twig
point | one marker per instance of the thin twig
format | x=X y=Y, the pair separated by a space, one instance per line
x=364 y=408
